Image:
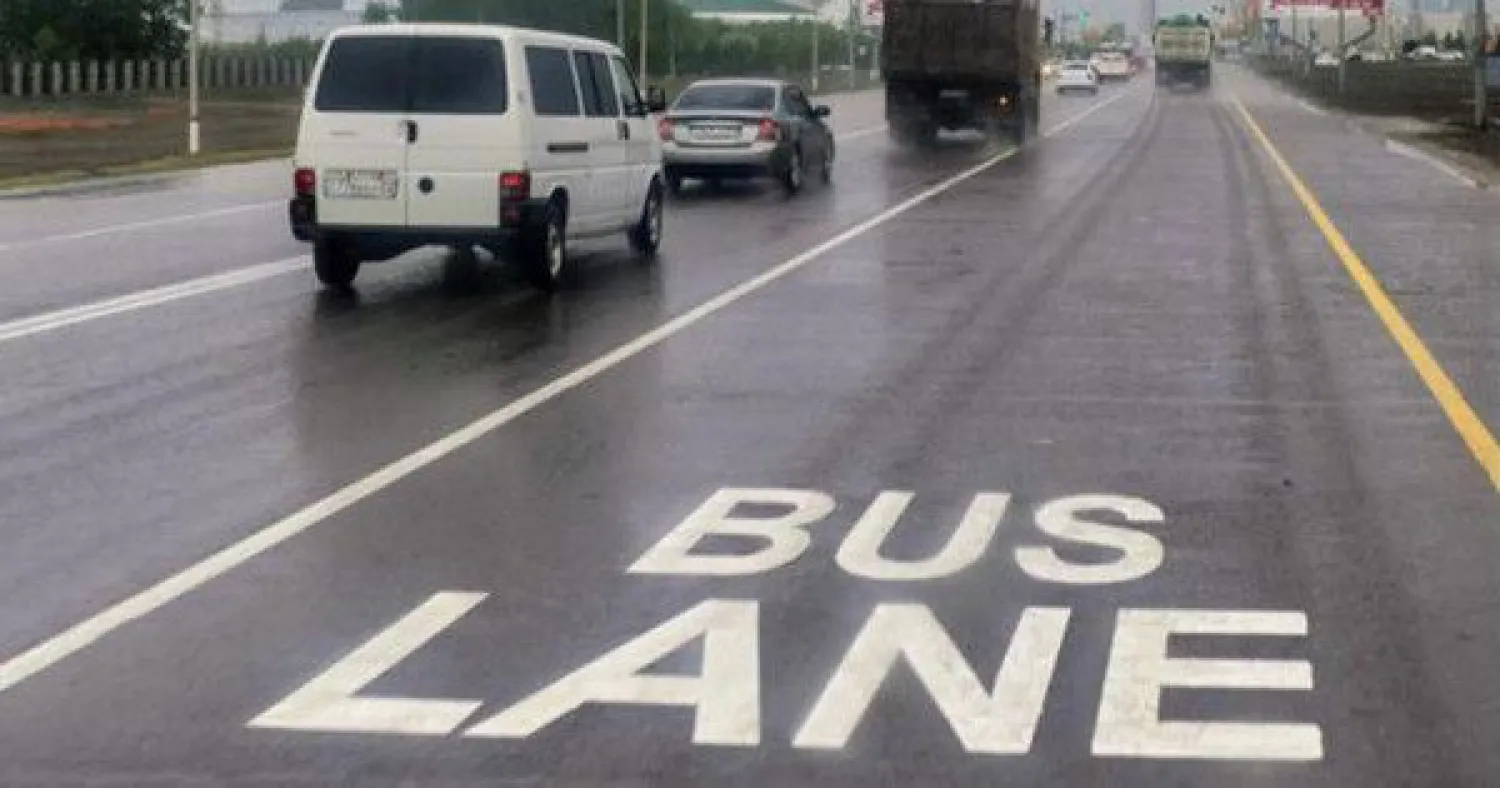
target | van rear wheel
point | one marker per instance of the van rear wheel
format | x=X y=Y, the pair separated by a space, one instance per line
x=645 y=236
x=335 y=262
x=544 y=250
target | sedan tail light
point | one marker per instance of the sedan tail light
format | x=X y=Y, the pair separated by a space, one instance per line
x=770 y=131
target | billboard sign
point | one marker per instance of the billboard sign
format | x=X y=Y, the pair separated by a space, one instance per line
x=872 y=13
x=1323 y=8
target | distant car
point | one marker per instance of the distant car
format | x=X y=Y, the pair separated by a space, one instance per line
x=1450 y=56
x=1079 y=76
x=746 y=128
x=1326 y=60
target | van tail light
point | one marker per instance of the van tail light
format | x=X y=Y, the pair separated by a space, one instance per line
x=305 y=181
x=666 y=129
x=515 y=189
x=770 y=131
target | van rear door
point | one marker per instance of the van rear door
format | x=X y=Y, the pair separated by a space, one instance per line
x=354 y=131
x=465 y=134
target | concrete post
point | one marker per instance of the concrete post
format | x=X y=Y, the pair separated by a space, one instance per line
x=75 y=77
x=91 y=81
x=56 y=87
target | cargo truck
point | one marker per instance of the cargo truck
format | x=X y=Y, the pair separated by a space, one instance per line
x=961 y=64
x=1184 y=52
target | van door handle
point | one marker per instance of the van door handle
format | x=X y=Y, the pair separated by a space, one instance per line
x=567 y=147
x=411 y=131
x=624 y=130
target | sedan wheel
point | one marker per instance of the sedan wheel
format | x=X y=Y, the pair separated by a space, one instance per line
x=792 y=179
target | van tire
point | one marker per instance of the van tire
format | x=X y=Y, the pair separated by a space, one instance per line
x=646 y=235
x=544 y=249
x=335 y=263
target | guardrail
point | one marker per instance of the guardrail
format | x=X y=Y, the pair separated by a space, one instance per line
x=33 y=80
x=1426 y=90
x=23 y=80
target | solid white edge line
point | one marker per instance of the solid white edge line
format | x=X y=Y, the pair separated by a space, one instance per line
x=1417 y=154
x=62 y=318
x=147 y=224
x=78 y=637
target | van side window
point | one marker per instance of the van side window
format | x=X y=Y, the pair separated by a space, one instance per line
x=554 y=91
x=459 y=76
x=599 y=100
x=630 y=95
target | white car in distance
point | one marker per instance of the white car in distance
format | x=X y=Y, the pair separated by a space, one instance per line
x=1077 y=76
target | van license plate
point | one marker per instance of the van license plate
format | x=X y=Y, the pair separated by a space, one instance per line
x=360 y=184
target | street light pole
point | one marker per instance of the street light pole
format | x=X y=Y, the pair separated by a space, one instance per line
x=193 y=128
x=645 y=16
x=853 y=34
x=817 y=70
x=620 y=23
x=1481 y=66
x=1343 y=57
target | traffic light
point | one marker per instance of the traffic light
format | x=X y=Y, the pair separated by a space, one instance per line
x=1049 y=28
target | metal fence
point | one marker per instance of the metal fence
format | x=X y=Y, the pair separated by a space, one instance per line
x=22 y=80
x=1425 y=90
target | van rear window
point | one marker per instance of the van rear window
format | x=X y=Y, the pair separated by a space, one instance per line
x=396 y=74
x=366 y=74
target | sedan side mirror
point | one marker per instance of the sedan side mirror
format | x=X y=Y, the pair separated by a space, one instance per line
x=822 y=111
x=656 y=99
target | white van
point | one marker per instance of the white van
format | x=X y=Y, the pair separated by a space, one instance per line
x=503 y=138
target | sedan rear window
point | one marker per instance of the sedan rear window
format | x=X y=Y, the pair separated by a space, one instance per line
x=753 y=98
x=396 y=74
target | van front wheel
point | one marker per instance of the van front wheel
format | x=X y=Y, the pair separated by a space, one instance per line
x=544 y=249
x=335 y=263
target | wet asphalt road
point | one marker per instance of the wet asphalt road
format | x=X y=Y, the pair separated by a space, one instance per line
x=1122 y=369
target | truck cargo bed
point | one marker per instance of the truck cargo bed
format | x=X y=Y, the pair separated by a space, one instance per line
x=959 y=38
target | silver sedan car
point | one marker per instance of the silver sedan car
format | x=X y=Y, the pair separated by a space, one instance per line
x=746 y=128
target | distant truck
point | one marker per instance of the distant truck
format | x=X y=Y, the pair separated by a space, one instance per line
x=961 y=64
x=1184 y=52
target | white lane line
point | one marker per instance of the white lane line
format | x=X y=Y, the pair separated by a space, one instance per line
x=1313 y=108
x=857 y=133
x=1417 y=154
x=81 y=635
x=133 y=226
x=62 y=318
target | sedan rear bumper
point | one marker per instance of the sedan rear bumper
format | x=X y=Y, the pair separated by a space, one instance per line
x=749 y=161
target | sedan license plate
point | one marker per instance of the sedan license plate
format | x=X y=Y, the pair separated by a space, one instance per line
x=717 y=133
x=360 y=184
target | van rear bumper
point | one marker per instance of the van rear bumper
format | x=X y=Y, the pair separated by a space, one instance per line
x=374 y=244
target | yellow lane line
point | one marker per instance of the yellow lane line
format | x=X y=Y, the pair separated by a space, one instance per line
x=1470 y=427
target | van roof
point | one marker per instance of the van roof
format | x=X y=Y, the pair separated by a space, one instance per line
x=473 y=31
